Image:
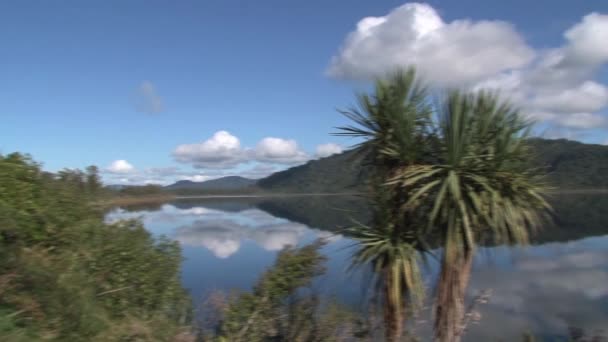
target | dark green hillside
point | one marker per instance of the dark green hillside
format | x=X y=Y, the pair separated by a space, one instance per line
x=345 y=172
x=66 y=275
x=568 y=164
x=571 y=164
x=229 y=183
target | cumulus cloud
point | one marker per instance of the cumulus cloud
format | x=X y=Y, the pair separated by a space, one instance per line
x=156 y=175
x=223 y=150
x=326 y=150
x=587 y=40
x=277 y=150
x=588 y=96
x=582 y=120
x=556 y=86
x=446 y=53
x=147 y=99
x=120 y=166
x=196 y=178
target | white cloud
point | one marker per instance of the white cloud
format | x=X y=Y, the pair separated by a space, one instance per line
x=582 y=120
x=326 y=150
x=589 y=96
x=120 y=166
x=157 y=175
x=147 y=99
x=605 y=142
x=196 y=178
x=557 y=86
x=222 y=150
x=587 y=40
x=277 y=150
x=446 y=53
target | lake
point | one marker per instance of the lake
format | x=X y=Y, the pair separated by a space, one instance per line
x=558 y=282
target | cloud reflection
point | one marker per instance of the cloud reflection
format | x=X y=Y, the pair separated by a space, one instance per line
x=559 y=286
x=223 y=237
x=223 y=233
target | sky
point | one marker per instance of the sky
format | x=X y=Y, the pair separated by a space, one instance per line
x=158 y=91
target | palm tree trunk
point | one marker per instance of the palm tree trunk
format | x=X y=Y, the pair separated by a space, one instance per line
x=451 y=290
x=393 y=308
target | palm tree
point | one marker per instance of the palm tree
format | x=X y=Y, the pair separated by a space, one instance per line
x=481 y=183
x=394 y=123
x=458 y=170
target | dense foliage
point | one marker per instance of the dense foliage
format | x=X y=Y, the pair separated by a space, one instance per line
x=67 y=275
x=572 y=164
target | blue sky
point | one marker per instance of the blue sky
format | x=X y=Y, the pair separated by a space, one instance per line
x=200 y=89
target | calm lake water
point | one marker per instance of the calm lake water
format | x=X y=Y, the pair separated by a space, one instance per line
x=559 y=281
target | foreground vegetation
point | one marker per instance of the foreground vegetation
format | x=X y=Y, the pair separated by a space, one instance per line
x=66 y=275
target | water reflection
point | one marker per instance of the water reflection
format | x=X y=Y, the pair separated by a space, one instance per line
x=558 y=282
x=224 y=237
x=223 y=231
x=544 y=289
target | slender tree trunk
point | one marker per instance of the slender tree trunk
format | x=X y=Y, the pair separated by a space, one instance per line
x=393 y=308
x=450 y=306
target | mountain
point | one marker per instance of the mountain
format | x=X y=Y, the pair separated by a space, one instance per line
x=568 y=165
x=115 y=186
x=572 y=164
x=345 y=172
x=224 y=184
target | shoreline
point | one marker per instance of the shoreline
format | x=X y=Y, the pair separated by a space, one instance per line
x=269 y=195
x=132 y=200
x=577 y=191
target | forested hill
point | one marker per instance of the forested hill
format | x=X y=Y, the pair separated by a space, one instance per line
x=345 y=172
x=220 y=184
x=568 y=164
x=571 y=164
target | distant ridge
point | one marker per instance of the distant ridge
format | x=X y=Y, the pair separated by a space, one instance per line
x=229 y=183
x=568 y=165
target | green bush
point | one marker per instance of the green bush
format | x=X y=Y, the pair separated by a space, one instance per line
x=66 y=275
